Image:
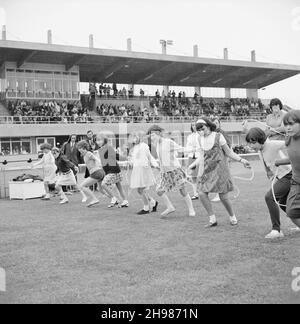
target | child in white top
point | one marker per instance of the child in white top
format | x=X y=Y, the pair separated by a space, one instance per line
x=142 y=177
x=49 y=166
x=172 y=176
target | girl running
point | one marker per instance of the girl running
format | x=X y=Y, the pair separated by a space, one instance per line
x=216 y=177
x=96 y=173
x=66 y=175
x=173 y=178
x=269 y=152
x=109 y=160
x=142 y=177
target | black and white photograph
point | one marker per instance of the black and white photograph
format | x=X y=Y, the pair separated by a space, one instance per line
x=149 y=154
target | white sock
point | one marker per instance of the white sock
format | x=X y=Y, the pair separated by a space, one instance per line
x=212 y=219
x=146 y=208
x=167 y=202
x=83 y=195
x=152 y=202
x=195 y=189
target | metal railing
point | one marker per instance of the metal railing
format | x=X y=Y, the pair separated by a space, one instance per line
x=23 y=120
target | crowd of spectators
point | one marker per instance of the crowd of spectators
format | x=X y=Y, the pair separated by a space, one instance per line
x=107 y=91
x=126 y=113
x=179 y=105
x=45 y=110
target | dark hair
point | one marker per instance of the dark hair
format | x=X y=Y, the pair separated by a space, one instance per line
x=256 y=135
x=276 y=102
x=83 y=145
x=90 y=131
x=46 y=146
x=291 y=117
x=69 y=139
x=209 y=124
x=193 y=124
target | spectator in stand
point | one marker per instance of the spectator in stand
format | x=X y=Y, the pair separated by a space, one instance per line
x=142 y=93
x=275 y=120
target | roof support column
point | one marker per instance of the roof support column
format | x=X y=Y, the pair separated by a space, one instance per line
x=252 y=93
x=49 y=37
x=196 y=54
x=129 y=49
x=3 y=32
x=227 y=90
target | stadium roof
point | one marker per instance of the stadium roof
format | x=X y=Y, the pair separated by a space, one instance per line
x=109 y=66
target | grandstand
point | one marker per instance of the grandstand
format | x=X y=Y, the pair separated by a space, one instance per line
x=40 y=86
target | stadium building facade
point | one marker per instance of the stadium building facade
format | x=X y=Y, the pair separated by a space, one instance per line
x=35 y=72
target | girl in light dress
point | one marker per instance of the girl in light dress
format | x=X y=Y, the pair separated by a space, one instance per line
x=142 y=177
x=49 y=167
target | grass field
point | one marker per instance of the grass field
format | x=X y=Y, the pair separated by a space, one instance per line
x=72 y=254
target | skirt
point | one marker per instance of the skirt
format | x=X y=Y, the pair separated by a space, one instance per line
x=172 y=180
x=111 y=179
x=142 y=177
x=50 y=173
x=66 y=179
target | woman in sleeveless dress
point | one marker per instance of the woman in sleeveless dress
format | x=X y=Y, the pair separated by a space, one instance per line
x=216 y=176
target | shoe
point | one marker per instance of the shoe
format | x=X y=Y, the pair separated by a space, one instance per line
x=167 y=212
x=93 y=203
x=233 y=221
x=45 y=198
x=154 y=209
x=113 y=204
x=211 y=225
x=124 y=204
x=195 y=198
x=143 y=212
x=295 y=229
x=84 y=200
x=274 y=235
x=192 y=214
x=64 y=201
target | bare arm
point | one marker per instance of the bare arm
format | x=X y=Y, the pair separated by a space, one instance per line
x=282 y=162
x=234 y=156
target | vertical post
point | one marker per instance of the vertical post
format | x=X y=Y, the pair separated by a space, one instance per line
x=196 y=54
x=4 y=32
x=129 y=49
x=49 y=37
x=252 y=93
x=227 y=90
x=91 y=41
x=164 y=52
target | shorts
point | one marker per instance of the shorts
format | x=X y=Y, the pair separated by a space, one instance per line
x=111 y=179
x=293 y=201
x=98 y=175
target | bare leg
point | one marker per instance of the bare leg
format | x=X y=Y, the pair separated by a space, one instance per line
x=188 y=201
x=227 y=204
x=85 y=188
x=206 y=203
